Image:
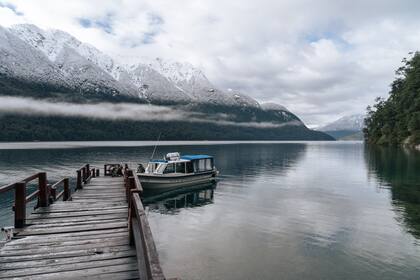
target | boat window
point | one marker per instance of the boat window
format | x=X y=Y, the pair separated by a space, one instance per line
x=170 y=168
x=209 y=164
x=190 y=167
x=180 y=167
x=161 y=168
x=151 y=167
x=202 y=165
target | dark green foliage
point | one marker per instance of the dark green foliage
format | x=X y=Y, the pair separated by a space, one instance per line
x=397 y=119
x=32 y=128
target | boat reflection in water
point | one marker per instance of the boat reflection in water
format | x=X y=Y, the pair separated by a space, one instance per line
x=168 y=201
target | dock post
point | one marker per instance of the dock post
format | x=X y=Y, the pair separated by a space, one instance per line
x=66 y=194
x=84 y=174
x=87 y=171
x=53 y=192
x=43 y=189
x=20 y=204
x=93 y=173
x=97 y=172
x=79 y=180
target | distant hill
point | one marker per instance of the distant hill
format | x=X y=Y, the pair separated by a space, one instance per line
x=53 y=65
x=396 y=120
x=346 y=128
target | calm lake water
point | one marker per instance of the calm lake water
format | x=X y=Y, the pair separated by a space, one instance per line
x=296 y=210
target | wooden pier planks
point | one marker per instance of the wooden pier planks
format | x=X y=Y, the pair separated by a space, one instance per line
x=86 y=238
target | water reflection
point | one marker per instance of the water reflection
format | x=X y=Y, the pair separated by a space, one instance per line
x=399 y=170
x=170 y=201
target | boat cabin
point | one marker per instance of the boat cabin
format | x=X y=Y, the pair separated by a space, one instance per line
x=174 y=163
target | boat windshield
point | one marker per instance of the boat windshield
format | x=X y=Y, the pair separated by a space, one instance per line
x=160 y=168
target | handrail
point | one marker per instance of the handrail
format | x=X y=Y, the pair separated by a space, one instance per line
x=43 y=194
x=32 y=196
x=31 y=178
x=139 y=229
x=65 y=193
x=7 y=188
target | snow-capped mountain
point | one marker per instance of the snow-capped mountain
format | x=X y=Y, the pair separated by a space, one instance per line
x=20 y=61
x=54 y=57
x=351 y=123
x=52 y=64
x=158 y=80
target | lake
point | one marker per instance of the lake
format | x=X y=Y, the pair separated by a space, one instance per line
x=281 y=210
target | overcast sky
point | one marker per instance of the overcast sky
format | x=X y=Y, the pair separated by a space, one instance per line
x=321 y=59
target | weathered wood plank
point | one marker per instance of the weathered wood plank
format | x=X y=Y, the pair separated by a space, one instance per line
x=59 y=243
x=80 y=208
x=77 y=223
x=70 y=260
x=66 y=267
x=53 y=230
x=39 y=239
x=76 y=219
x=88 y=273
x=75 y=253
x=65 y=248
x=76 y=213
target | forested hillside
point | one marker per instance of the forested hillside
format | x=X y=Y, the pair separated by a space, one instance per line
x=396 y=120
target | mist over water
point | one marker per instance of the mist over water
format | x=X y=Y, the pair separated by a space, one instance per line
x=300 y=210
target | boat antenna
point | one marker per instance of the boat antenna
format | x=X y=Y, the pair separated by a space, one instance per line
x=154 y=149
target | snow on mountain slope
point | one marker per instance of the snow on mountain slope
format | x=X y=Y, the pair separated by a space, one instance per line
x=153 y=86
x=84 y=67
x=280 y=111
x=352 y=123
x=157 y=81
x=18 y=60
x=195 y=84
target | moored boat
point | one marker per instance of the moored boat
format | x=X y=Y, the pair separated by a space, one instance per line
x=177 y=171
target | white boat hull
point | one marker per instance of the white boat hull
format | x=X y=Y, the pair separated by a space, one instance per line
x=153 y=181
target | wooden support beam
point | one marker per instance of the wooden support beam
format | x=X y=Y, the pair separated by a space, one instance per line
x=79 y=180
x=20 y=204
x=67 y=194
x=43 y=189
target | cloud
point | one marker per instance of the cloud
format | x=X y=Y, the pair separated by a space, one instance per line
x=322 y=59
x=119 y=111
x=11 y=7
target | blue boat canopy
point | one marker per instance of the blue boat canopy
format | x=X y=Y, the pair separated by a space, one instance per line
x=158 y=160
x=195 y=157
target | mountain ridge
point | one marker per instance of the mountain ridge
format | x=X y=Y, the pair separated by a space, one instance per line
x=53 y=64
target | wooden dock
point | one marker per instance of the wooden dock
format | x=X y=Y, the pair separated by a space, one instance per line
x=98 y=232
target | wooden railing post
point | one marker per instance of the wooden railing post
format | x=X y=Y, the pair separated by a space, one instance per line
x=66 y=194
x=87 y=171
x=53 y=192
x=84 y=174
x=43 y=190
x=131 y=213
x=131 y=185
x=79 y=180
x=20 y=204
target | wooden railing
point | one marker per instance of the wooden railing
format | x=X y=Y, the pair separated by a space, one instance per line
x=84 y=174
x=44 y=193
x=140 y=233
